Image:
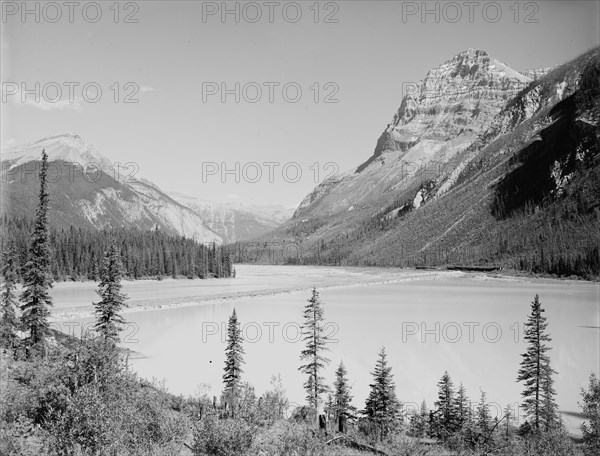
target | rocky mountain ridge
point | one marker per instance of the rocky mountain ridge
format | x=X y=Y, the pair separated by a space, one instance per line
x=438 y=118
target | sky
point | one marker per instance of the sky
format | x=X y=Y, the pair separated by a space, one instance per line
x=316 y=82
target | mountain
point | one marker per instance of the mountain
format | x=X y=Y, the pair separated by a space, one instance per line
x=438 y=118
x=480 y=164
x=233 y=221
x=87 y=190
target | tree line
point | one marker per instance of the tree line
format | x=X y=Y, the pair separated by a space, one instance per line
x=77 y=253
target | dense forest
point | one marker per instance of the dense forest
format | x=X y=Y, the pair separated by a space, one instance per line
x=78 y=253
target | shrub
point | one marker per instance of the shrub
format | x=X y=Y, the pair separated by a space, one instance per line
x=288 y=438
x=215 y=437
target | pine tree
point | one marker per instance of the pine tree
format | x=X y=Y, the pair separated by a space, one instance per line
x=549 y=412
x=37 y=280
x=463 y=407
x=591 y=409
x=446 y=419
x=232 y=378
x=9 y=323
x=536 y=371
x=382 y=406
x=108 y=319
x=508 y=415
x=313 y=333
x=342 y=407
x=418 y=421
x=484 y=419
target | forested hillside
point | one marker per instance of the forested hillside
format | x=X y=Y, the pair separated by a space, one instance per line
x=78 y=253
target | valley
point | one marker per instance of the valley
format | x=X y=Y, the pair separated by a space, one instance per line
x=425 y=281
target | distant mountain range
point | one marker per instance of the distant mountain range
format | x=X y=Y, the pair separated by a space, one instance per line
x=235 y=221
x=90 y=191
x=480 y=164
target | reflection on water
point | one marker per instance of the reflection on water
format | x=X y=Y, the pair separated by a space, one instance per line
x=471 y=327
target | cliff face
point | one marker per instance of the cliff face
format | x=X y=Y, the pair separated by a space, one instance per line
x=438 y=118
x=461 y=95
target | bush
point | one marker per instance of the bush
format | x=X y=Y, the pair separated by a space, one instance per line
x=84 y=401
x=228 y=437
x=288 y=438
x=13 y=438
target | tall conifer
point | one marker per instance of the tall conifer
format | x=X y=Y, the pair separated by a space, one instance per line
x=234 y=351
x=316 y=340
x=109 y=321
x=37 y=280
x=536 y=372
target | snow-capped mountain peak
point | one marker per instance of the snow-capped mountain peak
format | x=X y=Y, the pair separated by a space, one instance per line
x=68 y=147
x=103 y=202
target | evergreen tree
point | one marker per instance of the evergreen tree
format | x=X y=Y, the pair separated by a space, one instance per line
x=108 y=319
x=36 y=273
x=484 y=419
x=418 y=421
x=536 y=371
x=591 y=409
x=549 y=412
x=382 y=406
x=232 y=378
x=9 y=323
x=463 y=407
x=314 y=336
x=341 y=400
x=508 y=416
x=446 y=419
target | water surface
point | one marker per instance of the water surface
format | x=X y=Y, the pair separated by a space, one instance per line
x=470 y=325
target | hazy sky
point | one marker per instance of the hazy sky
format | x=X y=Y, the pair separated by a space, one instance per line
x=173 y=56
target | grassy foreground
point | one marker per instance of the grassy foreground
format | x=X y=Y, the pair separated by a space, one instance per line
x=81 y=398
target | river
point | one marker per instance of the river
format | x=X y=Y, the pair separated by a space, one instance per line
x=469 y=324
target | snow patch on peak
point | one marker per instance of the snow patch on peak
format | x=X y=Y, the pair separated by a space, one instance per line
x=68 y=147
x=504 y=71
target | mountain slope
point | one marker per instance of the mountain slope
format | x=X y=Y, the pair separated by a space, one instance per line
x=519 y=187
x=87 y=190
